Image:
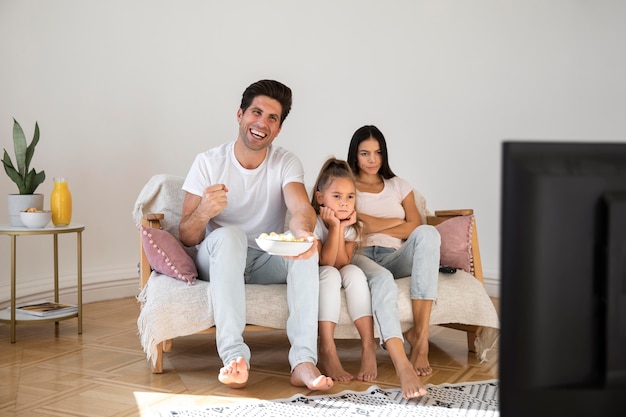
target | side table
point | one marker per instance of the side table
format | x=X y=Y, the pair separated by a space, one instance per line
x=14 y=317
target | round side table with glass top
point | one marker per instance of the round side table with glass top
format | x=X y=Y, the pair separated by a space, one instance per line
x=16 y=317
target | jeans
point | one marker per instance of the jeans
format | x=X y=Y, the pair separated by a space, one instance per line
x=225 y=260
x=357 y=292
x=418 y=257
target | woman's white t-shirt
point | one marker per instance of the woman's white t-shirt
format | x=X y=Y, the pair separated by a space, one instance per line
x=256 y=202
x=385 y=204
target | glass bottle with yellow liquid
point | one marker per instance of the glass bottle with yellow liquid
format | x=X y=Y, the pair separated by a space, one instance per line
x=61 y=203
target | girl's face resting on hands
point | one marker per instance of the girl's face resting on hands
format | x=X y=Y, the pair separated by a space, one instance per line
x=369 y=156
x=339 y=196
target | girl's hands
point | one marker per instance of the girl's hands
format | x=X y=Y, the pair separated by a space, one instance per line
x=330 y=218
x=328 y=215
x=351 y=219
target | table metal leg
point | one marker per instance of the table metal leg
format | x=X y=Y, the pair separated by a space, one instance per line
x=79 y=278
x=13 y=285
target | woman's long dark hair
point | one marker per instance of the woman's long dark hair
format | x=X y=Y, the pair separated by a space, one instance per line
x=364 y=133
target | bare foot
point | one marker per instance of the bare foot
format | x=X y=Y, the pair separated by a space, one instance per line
x=330 y=363
x=411 y=384
x=419 y=353
x=235 y=374
x=369 y=369
x=307 y=375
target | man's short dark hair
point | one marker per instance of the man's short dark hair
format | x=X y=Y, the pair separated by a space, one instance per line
x=272 y=89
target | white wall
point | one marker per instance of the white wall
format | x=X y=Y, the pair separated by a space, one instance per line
x=125 y=89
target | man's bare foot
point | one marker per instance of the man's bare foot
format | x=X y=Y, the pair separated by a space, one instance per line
x=330 y=363
x=369 y=369
x=411 y=384
x=307 y=375
x=419 y=353
x=235 y=374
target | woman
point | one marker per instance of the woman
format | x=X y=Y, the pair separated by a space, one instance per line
x=395 y=241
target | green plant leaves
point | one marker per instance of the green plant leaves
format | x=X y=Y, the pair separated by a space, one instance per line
x=26 y=181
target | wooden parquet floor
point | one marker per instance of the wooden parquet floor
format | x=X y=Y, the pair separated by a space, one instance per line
x=53 y=371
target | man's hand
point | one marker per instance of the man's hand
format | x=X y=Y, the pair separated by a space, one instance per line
x=312 y=250
x=213 y=201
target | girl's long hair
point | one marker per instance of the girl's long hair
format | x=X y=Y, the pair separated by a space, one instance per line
x=334 y=168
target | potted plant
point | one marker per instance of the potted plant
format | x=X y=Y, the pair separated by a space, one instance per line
x=26 y=179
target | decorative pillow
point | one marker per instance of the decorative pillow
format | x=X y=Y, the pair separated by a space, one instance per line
x=167 y=256
x=456 y=242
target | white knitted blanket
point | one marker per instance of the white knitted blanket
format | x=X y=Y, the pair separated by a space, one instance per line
x=171 y=308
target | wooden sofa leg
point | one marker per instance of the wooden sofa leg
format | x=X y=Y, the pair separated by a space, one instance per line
x=167 y=345
x=157 y=368
x=471 y=340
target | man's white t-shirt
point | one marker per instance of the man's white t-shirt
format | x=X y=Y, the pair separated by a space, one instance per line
x=256 y=202
x=385 y=204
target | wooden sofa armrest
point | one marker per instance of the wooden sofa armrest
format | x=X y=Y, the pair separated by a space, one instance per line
x=148 y=220
x=443 y=215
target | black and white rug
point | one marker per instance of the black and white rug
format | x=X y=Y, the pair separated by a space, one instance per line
x=478 y=399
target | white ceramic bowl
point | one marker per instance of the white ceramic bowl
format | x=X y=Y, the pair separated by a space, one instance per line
x=283 y=248
x=36 y=219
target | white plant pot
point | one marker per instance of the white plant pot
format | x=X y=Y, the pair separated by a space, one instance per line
x=19 y=202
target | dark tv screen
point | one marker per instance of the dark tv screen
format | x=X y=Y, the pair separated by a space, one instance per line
x=563 y=279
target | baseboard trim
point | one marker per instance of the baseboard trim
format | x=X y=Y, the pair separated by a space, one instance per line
x=492 y=286
x=92 y=292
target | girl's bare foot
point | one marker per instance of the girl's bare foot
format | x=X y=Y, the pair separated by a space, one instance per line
x=419 y=353
x=411 y=384
x=235 y=374
x=369 y=369
x=330 y=363
x=307 y=375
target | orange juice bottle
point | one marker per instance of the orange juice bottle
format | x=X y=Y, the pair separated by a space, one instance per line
x=61 y=203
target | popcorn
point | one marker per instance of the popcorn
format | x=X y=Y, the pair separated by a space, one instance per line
x=282 y=237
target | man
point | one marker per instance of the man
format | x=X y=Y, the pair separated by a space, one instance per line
x=235 y=192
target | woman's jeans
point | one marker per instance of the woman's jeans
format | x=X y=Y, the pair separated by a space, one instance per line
x=225 y=260
x=418 y=257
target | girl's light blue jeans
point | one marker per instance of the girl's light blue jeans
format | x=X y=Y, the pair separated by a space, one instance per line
x=225 y=260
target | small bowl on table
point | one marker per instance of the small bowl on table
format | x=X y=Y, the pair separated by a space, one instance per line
x=36 y=219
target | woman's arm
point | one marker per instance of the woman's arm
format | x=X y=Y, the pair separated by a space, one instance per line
x=400 y=228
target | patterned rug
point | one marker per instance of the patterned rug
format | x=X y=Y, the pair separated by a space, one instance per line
x=479 y=399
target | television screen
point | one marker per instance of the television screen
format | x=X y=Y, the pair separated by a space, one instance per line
x=563 y=279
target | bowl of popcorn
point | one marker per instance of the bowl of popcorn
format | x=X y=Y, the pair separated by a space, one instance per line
x=34 y=218
x=283 y=244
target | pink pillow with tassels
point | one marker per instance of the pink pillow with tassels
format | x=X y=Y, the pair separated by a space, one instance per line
x=456 y=242
x=167 y=255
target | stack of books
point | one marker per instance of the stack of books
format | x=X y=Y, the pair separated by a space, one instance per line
x=47 y=309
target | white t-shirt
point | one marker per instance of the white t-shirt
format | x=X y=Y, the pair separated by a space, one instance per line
x=385 y=204
x=256 y=202
x=321 y=232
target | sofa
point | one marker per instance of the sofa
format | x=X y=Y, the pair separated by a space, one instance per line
x=174 y=304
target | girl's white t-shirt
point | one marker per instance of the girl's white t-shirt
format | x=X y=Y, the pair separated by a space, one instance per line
x=385 y=204
x=256 y=202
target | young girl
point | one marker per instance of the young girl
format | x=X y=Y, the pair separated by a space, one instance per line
x=338 y=232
